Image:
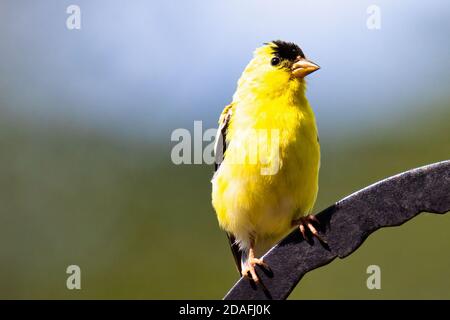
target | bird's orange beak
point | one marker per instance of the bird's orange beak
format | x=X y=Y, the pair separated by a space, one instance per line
x=302 y=67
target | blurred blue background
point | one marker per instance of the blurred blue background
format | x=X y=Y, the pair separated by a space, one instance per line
x=86 y=117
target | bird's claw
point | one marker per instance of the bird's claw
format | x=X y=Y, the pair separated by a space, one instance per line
x=249 y=270
x=307 y=223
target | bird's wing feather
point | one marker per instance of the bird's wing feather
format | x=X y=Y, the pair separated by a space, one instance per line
x=220 y=142
x=220 y=147
x=237 y=255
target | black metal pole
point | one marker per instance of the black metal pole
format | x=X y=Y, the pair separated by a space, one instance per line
x=346 y=225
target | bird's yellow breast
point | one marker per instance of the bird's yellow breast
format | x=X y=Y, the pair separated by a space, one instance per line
x=263 y=197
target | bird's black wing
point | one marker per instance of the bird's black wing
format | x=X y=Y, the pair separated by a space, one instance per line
x=220 y=147
x=237 y=255
x=220 y=144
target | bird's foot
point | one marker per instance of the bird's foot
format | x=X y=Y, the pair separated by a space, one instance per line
x=248 y=270
x=305 y=223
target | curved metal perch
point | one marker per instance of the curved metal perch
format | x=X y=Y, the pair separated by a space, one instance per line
x=346 y=225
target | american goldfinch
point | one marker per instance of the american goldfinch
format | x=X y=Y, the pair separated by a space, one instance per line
x=267 y=155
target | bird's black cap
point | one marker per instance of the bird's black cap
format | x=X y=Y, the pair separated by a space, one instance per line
x=287 y=50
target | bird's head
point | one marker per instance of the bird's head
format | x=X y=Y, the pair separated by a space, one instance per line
x=276 y=67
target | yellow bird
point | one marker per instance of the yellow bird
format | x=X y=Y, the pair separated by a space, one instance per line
x=267 y=155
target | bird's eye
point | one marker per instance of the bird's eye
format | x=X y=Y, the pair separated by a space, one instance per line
x=275 y=61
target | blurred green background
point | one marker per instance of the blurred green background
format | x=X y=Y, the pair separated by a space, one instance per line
x=85 y=124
